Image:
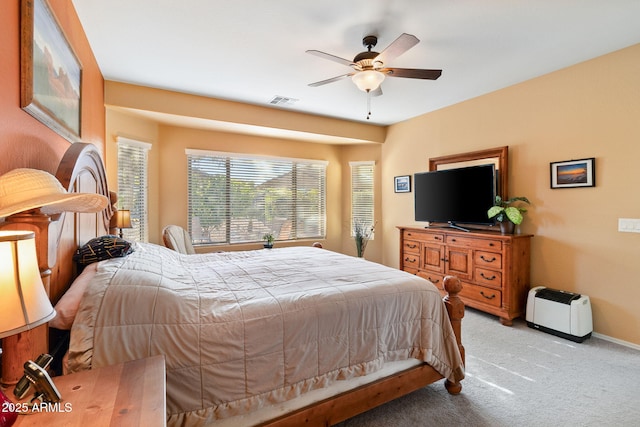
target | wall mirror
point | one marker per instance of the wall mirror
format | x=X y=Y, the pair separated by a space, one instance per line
x=497 y=156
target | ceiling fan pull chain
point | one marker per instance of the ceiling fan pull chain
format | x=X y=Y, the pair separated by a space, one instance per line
x=368 y=104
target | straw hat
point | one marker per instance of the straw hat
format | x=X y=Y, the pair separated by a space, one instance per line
x=25 y=189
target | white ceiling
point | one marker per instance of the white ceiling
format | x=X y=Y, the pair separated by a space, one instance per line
x=253 y=50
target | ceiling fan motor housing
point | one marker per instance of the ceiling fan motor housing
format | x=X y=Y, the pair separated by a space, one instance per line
x=369 y=42
x=365 y=56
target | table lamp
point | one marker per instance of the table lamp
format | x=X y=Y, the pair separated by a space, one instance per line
x=122 y=219
x=24 y=303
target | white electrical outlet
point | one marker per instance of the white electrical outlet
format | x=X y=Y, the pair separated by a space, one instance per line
x=629 y=225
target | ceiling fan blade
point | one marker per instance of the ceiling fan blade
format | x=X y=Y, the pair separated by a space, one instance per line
x=376 y=92
x=331 y=80
x=330 y=57
x=399 y=46
x=412 y=73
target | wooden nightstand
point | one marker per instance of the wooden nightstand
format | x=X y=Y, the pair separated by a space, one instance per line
x=129 y=394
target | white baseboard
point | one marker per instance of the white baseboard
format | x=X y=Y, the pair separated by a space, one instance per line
x=615 y=340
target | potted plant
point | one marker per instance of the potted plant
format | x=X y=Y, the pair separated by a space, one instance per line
x=507 y=213
x=268 y=240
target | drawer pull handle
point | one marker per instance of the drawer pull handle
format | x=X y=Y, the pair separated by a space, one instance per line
x=487 y=277
x=487 y=296
x=407 y=259
x=437 y=238
x=433 y=281
x=487 y=259
x=411 y=246
x=490 y=244
x=453 y=240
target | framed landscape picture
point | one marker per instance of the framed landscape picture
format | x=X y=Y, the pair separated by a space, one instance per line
x=50 y=73
x=402 y=184
x=573 y=173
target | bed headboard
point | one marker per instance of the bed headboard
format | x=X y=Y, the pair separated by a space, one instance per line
x=81 y=170
x=57 y=238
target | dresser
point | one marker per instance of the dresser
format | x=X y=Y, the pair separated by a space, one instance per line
x=494 y=268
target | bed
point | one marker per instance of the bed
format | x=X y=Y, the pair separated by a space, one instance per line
x=273 y=327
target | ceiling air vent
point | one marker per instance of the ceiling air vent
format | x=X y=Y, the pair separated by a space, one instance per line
x=282 y=101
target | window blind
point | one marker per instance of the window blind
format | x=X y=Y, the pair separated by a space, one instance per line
x=362 y=194
x=235 y=198
x=133 y=186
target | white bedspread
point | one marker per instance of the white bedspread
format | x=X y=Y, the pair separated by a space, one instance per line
x=243 y=329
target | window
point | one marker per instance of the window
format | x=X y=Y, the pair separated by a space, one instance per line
x=235 y=198
x=132 y=186
x=362 y=194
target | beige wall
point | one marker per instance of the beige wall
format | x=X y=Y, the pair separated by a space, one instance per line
x=588 y=110
x=168 y=171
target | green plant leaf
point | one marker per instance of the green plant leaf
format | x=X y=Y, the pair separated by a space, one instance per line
x=495 y=210
x=514 y=214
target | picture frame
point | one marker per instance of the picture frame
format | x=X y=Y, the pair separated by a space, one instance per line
x=573 y=173
x=402 y=184
x=50 y=72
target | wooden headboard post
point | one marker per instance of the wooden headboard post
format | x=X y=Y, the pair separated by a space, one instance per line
x=57 y=238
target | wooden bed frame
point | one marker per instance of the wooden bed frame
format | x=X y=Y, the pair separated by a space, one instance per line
x=57 y=238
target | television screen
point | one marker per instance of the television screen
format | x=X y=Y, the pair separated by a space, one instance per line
x=455 y=196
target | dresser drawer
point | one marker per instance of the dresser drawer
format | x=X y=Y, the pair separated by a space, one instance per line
x=488 y=277
x=435 y=278
x=410 y=261
x=481 y=294
x=488 y=260
x=423 y=237
x=411 y=246
x=411 y=270
x=467 y=242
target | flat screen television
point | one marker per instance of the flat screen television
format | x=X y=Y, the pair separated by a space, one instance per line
x=455 y=196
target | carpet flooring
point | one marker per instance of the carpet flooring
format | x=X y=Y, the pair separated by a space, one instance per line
x=518 y=376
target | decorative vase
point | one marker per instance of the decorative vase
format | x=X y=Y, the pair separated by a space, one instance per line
x=360 y=245
x=507 y=227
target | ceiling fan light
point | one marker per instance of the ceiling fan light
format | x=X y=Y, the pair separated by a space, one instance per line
x=368 y=80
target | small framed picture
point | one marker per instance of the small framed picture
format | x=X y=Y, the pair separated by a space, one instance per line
x=573 y=173
x=402 y=184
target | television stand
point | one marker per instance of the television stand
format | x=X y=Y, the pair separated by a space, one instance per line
x=449 y=225
x=494 y=268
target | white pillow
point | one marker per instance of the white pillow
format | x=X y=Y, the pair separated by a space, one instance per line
x=67 y=307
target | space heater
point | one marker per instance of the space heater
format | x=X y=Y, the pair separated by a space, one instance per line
x=564 y=314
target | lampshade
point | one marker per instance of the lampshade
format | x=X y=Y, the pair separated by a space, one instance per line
x=122 y=219
x=368 y=80
x=24 y=304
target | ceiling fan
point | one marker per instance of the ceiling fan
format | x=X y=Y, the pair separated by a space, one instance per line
x=370 y=67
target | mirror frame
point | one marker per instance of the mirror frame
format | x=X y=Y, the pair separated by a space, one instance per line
x=499 y=155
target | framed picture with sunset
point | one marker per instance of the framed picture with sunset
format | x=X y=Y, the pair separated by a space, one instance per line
x=573 y=173
x=50 y=72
